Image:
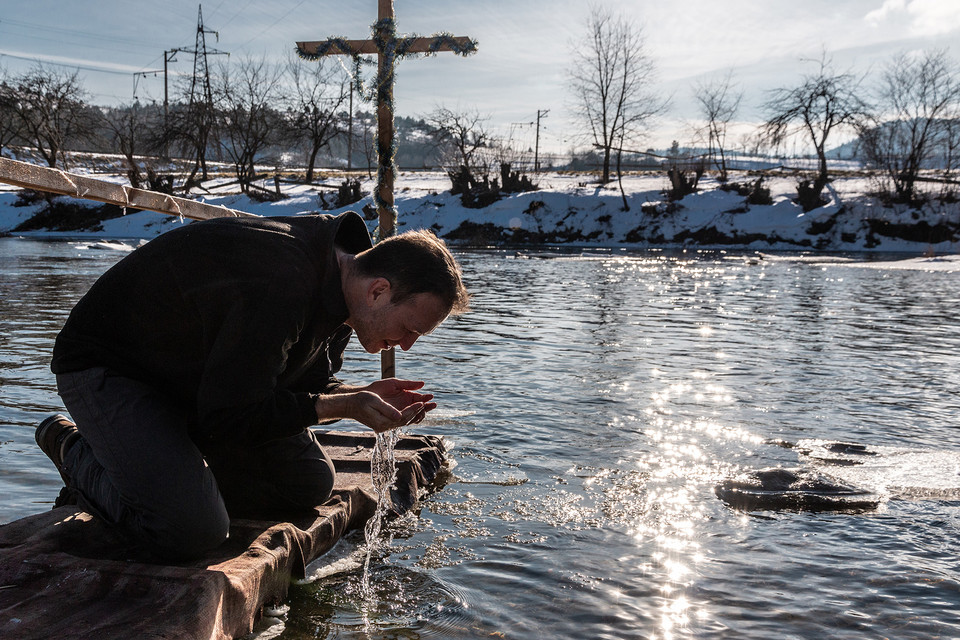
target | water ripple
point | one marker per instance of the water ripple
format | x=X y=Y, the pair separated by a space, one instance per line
x=594 y=400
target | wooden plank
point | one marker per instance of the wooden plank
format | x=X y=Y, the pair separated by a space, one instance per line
x=64 y=574
x=418 y=44
x=353 y=47
x=31 y=176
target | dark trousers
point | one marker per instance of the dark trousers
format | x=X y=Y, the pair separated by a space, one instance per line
x=137 y=467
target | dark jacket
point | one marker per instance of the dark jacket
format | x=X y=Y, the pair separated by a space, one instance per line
x=240 y=320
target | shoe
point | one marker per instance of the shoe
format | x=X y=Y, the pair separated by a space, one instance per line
x=55 y=435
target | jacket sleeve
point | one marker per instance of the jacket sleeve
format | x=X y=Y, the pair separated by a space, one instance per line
x=322 y=376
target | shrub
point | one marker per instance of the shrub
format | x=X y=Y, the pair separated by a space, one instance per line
x=759 y=194
x=754 y=192
x=514 y=181
x=60 y=215
x=30 y=197
x=348 y=193
x=477 y=192
x=809 y=195
x=682 y=184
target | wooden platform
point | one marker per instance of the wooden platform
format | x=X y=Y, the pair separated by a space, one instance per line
x=65 y=575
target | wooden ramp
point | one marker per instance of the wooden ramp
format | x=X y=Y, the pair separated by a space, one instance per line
x=65 y=575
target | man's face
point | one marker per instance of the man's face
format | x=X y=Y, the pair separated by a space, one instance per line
x=383 y=324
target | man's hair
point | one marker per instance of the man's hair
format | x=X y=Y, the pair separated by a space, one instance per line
x=416 y=262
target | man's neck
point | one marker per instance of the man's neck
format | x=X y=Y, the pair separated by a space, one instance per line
x=345 y=261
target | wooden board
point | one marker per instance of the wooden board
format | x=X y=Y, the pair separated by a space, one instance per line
x=64 y=574
x=31 y=176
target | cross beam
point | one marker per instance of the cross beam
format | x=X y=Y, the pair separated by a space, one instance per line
x=417 y=44
x=388 y=47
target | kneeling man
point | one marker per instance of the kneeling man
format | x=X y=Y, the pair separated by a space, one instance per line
x=194 y=367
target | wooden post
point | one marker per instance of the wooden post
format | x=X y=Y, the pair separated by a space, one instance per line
x=388 y=358
x=385 y=128
x=387 y=45
x=350 y=132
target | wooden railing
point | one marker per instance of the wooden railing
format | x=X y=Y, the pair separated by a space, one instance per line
x=31 y=176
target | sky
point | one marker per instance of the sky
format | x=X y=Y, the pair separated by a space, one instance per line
x=521 y=68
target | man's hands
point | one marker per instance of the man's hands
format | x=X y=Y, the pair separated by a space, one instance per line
x=381 y=405
x=401 y=395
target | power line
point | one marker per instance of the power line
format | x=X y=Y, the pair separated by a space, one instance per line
x=70 y=65
x=62 y=41
x=273 y=24
x=138 y=43
x=235 y=13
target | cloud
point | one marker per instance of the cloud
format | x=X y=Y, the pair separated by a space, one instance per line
x=879 y=16
x=921 y=17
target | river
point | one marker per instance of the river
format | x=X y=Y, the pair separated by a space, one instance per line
x=593 y=400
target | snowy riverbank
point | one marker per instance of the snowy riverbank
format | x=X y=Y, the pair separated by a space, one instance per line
x=571 y=209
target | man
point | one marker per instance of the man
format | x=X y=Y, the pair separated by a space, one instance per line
x=194 y=367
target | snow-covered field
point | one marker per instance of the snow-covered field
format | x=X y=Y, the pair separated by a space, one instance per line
x=572 y=209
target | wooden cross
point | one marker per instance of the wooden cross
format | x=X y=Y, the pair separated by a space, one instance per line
x=388 y=47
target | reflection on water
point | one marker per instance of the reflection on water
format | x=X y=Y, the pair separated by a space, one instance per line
x=594 y=401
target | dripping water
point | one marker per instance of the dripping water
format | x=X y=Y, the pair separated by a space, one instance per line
x=383 y=472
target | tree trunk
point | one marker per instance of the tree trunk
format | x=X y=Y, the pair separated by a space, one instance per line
x=50 y=156
x=822 y=175
x=623 y=194
x=133 y=173
x=311 y=163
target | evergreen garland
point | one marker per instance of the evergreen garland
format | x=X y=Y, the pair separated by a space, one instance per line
x=393 y=49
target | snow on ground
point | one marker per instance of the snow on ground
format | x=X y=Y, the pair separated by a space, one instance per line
x=572 y=209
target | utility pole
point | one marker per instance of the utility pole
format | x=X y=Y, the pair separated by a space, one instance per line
x=541 y=113
x=200 y=53
x=170 y=55
x=201 y=108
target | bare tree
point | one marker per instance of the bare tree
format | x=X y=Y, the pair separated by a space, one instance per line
x=610 y=78
x=718 y=101
x=919 y=102
x=319 y=91
x=820 y=105
x=9 y=123
x=365 y=137
x=131 y=129
x=753 y=143
x=248 y=121
x=951 y=142
x=51 y=112
x=191 y=123
x=460 y=136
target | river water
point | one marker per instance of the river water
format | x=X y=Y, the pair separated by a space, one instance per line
x=593 y=401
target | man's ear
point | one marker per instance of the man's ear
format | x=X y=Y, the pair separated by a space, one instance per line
x=379 y=287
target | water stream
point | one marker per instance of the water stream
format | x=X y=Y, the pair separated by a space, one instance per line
x=383 y=473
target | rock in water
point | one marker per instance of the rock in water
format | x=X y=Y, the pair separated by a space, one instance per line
x=835 y=453
x=779 y=489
